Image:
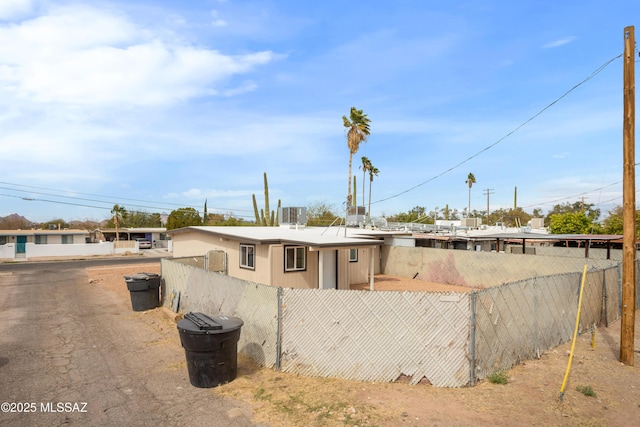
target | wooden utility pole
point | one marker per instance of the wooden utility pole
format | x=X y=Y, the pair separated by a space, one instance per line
x=583 y=197
x=627 y=326
x=488 y=192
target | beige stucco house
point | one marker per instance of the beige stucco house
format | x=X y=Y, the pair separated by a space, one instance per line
x=287 y=256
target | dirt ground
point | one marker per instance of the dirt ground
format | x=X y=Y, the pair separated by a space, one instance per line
x=383 y=282
x=530 y=397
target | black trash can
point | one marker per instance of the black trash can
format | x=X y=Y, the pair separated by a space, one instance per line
x=211 y=348
x=144 y=289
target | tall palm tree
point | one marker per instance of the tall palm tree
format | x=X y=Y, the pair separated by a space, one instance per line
x=372 y=171
x=366 y=164
x=358 y=131
x=118 y=214
x=470 y=181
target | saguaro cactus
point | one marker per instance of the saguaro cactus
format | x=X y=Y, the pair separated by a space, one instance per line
x=265 y=217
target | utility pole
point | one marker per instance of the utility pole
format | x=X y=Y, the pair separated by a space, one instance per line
x=627 y=325
x=583 y=197
x=488 y=192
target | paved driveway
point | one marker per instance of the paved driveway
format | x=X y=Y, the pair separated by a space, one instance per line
x=73 y=353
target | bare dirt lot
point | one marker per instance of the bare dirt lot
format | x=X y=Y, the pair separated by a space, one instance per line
x=530 y=397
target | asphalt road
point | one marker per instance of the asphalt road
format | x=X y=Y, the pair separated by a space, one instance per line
x=73 y=353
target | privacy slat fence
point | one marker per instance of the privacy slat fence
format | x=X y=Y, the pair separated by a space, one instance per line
x=521 y=320
x=376 y=336
x=446 y=339
x=215 y=293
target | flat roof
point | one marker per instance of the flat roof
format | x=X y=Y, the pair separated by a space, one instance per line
x=320 y=237
x=134 y=230
x=37 y=231
x=526 y=236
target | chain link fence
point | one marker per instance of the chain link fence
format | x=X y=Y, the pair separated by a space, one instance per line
x=521 y=320
x=446 y=339
x=196 y=261
x=377 y=336
x=217 y=294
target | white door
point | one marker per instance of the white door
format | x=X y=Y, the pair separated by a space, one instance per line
x=328 y=272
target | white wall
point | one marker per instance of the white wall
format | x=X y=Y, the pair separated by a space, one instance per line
x=7 y=251
x=50 y=250
x=122 y=247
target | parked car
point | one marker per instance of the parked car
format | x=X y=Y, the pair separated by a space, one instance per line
x=144 y=244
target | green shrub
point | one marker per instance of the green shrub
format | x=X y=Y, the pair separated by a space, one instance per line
x=498 y=377
x=587 y=390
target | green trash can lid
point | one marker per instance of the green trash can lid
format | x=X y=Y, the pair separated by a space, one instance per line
x=200 y=323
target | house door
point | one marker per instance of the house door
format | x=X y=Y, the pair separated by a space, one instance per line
x=328 y=270
x=21 y=245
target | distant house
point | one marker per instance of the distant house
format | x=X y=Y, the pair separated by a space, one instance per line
x=517 y=242
x=156 y=235
x=287 y=256
x=16 y=240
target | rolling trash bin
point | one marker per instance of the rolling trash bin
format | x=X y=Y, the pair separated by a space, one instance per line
x=144 y=289
x=210 y=345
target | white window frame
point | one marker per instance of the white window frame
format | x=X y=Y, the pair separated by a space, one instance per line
x=296 y=250
x=66 y=239
x=247 y=256
x=40 y=239
x=353 y=255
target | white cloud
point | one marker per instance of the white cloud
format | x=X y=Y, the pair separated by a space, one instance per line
x=559 y=42
x=87 y=56
x=217 y=22
x=10 y=9
x=244 y=88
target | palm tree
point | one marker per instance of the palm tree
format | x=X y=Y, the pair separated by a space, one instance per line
x=358 y=131
x=470 y=181
x=372 y=171
x=366 y=164
x=118 y=213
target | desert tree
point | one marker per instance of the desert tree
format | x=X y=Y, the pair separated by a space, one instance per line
x=366 y=164
x=373 y=171
x=357 y=129
x=471 y=179
x=118 y=213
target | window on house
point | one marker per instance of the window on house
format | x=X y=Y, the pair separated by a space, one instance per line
x=295 y=258
x=67 y=239
x=247 y=256
x=353 y=255
x=40 y=240
x=3 y=240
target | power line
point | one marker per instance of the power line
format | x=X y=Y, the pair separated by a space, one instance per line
x=592 y=75
x=30 y=199
x=98 y=195
x=71 y=197
x=582 y=194
x=573 y=197
x=94 y=200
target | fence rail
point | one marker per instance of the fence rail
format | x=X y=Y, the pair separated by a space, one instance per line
x=446 y=339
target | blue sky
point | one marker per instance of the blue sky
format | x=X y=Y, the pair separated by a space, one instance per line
x=157 y=105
